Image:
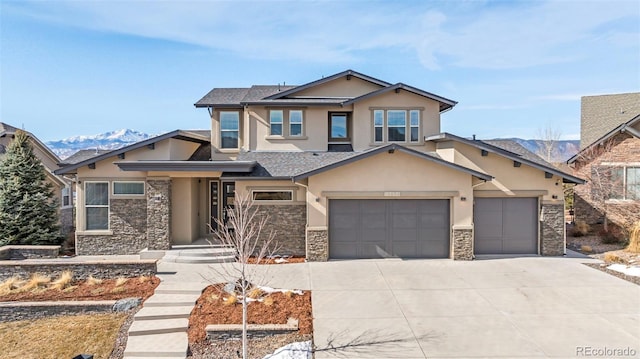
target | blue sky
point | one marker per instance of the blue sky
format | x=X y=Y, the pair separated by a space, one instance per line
x=515 y=67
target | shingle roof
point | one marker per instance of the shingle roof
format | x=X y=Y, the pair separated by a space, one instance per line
x=627 y=127
x=83 y=155
x=288 y=164
x=222 y=97
x=601 y=114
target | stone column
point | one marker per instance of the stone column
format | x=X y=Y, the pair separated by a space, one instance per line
x=159 y=213
x=552 y=229
x=463 y=243
x=317 y=244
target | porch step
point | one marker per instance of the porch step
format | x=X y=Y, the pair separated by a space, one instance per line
x=158 y=313
x=171 y=300
x=201 y=252
x=196 y=260
x=168 y=345
x=181 y=288
x=163 y=326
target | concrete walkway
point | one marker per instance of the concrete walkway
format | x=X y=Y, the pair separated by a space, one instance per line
x=499 y=307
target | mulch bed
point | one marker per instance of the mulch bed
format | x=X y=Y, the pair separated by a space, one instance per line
x=107 y=290
x=290 y=260
x=210 y=308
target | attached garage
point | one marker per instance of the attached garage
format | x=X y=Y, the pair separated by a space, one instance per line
x=380 y=228
x=505 y=225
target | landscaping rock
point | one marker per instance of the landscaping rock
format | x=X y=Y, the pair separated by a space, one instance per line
x=126 y=304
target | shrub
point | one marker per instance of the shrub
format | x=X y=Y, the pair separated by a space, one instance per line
x=36 y=281
x=612 y=236
x=10 y=285
x=611 y=257
x=255 y=293
x=268 y=301
x=580 y=229
x=93 y=281
x=634 y=239
x=231 y=299
x=121 y=281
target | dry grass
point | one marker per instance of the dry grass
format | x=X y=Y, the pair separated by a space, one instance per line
x=121 y=281
x=11 y=285
x=255 y=293
x=118 y=289
x=288 y=294
x=37 y=281
x=634 y=239
x=62 y=281
x=213 y=298
x=580 y=229
x=268 y=301
x=231 y=299
x=93 y=281
x=611 y=257
x=61 y=337
x=144 y=279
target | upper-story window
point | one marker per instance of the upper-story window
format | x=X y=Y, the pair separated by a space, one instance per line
x=396 y=125
x=618 y=183
x=339 y=129
x=229 y=129
x=286 y=123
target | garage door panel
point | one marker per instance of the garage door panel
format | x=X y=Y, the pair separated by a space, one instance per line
x=505 y=226
x=388 y=228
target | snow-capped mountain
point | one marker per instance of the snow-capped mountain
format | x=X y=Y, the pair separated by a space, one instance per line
x=562 y=149
x=104 y=141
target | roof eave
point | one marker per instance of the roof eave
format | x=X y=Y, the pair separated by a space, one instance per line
x=625 y=127
x=187 y=166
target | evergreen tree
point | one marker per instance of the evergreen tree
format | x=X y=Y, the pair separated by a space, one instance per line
x=28 y=206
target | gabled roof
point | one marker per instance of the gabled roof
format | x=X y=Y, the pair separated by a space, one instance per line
x=445 y=103
x=177 y=134
x=626 y=127
x=6 y=129
x=538 y=163
x=82 y=155
x=390 y=148
x=323 y=80
x=601 y=113
x=277 y=95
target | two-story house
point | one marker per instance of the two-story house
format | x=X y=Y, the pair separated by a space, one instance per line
x=609 y=158
x=62 y=187
x=347 y=166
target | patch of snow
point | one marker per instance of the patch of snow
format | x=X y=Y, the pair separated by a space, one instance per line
x=280 y=260
x=270 y=290
x=297 y=350
x=628 y=270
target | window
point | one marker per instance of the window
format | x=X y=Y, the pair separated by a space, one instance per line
x=633 y=183
x=272 y=195
x=96 y=203
x=66 y=197
x=396 y=125
x=378 y=125
x=229 y=129
x=338 y=127
x=276 y=117
x=616 y=183
x=295 y=123
x=414 y=122
x=128 y=188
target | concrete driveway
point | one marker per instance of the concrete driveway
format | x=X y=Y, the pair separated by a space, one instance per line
x=508 y=307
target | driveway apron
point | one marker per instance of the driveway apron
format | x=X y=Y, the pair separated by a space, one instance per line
x=505 y=307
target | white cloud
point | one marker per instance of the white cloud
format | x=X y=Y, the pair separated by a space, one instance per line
x=469 y=35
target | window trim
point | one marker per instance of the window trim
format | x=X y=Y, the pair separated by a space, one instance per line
x=290 y=191
x=624 y=196
x=346 y=139
x=221 y=130
x=286 y=124
x=113 y=189
x=85 y=206
x=408 y=126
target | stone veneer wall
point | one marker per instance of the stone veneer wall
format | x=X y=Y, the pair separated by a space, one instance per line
x=287 y=223
x=17 y=252
x=66 y=221
x=552 y=230
x=158 y=214
x=127 y=222
x=81 y=269
x=13 y=311
x=463 y=244
x=317 y=245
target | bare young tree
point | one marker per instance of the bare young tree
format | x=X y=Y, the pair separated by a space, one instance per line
x=549 y=137
x=243 y=231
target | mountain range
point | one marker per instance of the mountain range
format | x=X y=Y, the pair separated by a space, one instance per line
x=563 y=150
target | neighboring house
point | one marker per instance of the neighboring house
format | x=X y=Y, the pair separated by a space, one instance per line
x=62 y=187
x=609 y=158
x=347 y=166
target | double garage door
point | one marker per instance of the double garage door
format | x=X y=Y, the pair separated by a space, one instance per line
x=379 y=228
x=506 y=225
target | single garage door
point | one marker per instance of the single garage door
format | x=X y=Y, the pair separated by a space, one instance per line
x=372 y=228
x=506 y=225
